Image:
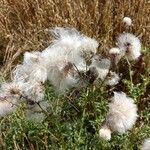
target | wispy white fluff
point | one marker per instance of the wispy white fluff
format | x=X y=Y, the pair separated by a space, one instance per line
x=122 y=113
x=146 y=144
x=31 y=57
x=127 y=21
x=7 y=105
x=114 y=50
x=32 y=69
x=36 y=64
x=89 y=46
x=11 y=88
x=12 y=94
x=70 y=45
x=129 y=45
x=115 y=55
x=68 y=82
x=63 y=77
x=71 y=39
x=105 y=133
x=112 y=79
x=30 y=90
x=102 y=66
x=9 y=98
x=19 y=74
x=33 y=91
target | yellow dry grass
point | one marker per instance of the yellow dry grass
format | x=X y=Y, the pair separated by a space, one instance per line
x=23 y=23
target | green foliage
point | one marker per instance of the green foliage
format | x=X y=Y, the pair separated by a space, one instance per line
x=73 y=123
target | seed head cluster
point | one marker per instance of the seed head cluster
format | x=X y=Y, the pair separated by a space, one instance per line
x=70 y=61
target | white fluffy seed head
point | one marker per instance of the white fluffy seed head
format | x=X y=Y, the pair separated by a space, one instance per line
x=10 y=93
x=102 y=66
x=112 y=79
x=31 y=57
x=72 y=46
x=19 y=74
x=39 y=74
x=129 y=45
x=67 y=83
x=70 y=38
x=36 y=65
x=89 y=46
x=36 y=73
x=146 y=144
x=122 y=113
x=115 y=54
x=63 y=76
x=9 y=97
x=105 y=133
x=11 y=89
x=32 y=69
x=114 y=50
x=33 y=91
x=127 y=21
x=7 y=105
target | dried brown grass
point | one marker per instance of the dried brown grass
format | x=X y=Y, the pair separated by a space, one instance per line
x=23 y=23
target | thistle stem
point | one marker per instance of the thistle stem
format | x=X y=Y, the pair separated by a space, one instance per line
x=130 y=72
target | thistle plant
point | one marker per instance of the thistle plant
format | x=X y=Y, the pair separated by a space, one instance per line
x=72 y=67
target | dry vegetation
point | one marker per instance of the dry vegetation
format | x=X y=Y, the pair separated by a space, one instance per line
x=23 y=23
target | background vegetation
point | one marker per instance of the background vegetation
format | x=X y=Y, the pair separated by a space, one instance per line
x=73 y=123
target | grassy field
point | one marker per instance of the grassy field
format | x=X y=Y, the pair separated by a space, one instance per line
x=73 y=123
